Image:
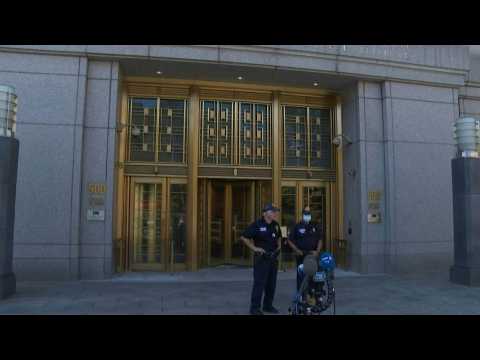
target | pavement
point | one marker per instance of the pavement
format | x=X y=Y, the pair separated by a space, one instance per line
x=226 y=291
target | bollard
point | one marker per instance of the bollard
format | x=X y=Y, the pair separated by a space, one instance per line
x=9 y=147
x=466 y=204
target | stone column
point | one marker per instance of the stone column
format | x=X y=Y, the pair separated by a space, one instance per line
x=8 y=179
x=466 y=221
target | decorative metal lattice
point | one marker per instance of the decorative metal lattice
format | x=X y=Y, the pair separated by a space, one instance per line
x=320 y=138
x=236 y=133
x=171 y=146
x=295 y=135
x=158 y=130
x=217 y=132
x=143 y=114
x=307 y=137
x=254 y=125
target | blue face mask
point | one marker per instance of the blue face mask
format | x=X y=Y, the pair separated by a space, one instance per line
x=307 y=218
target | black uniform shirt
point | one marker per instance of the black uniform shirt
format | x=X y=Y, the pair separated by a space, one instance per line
x=305 y=236
x=263 y=235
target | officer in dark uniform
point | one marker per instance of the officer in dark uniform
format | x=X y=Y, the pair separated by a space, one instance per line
x=263 y=237
x=305 y=238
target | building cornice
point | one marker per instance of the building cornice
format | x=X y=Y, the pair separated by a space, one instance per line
x=439 y=65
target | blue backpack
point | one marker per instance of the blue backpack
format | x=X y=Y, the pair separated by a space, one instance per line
x=327 y=262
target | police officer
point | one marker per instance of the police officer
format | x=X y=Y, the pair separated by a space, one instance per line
x=305 y=238
x=263 y=237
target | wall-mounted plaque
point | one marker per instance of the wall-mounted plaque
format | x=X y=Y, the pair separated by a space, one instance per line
x=374 y=215
x=96 y=201
x=96 y=215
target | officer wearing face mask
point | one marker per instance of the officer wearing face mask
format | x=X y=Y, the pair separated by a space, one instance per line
x=305 y=238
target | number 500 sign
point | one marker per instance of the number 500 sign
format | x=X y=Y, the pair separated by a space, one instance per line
x=97 y=188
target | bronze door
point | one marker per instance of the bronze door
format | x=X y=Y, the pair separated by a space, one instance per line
x=158 y=228
x=231 y=210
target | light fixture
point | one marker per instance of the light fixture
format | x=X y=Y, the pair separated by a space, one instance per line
x=315 y=83
x=467 y=137
x=341 y=141
x=159 y=72
x=239 y=77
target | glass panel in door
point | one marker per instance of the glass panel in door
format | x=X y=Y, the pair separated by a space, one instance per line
x=315 y=197
x=242 y=214
x=288 y=220
x=147 y=224
x=178 y=229
x=216 y=227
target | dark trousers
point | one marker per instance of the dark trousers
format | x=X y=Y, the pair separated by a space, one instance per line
x=299 y=277
x=264 y=280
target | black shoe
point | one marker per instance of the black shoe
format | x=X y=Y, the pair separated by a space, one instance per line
x=271 y=310
x=256 y=312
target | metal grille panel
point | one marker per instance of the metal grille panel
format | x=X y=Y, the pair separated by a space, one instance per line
x=171 y=146
x=320 y=138
x=217 y=132
x=143 y=113
x=236 y=133
x=295 y=134
x=157 y=130
x=307 y=137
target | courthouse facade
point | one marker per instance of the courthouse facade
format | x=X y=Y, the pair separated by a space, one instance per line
x=155 y=158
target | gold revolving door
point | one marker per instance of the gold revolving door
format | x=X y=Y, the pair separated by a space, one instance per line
x=158 y=232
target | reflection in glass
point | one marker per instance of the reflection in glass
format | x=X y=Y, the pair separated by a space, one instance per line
x=157 y=136
x=307 y=137
x=178 y=231
x=217 y=132
x=315 y=198
x=172 y=128
x=295 y=133
x=147 y=223
x=320 y=138
x=142 y=129
x=241 y=218
x=288 y=214
x=217 y=224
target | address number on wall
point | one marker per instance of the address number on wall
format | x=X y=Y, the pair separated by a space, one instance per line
x=97 y=188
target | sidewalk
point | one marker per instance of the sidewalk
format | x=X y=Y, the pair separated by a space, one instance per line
x=227 y=290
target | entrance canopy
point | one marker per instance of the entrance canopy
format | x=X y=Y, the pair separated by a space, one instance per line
x=232 y=73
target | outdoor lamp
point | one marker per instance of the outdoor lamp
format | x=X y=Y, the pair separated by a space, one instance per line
x=467 y=137
x=8 y=111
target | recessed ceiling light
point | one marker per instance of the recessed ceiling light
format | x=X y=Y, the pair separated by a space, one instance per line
x=159 y=72
x=239 y=77
x=315 y=83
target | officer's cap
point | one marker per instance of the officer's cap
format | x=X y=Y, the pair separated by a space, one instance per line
x=306 y=211
x=270 y=207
